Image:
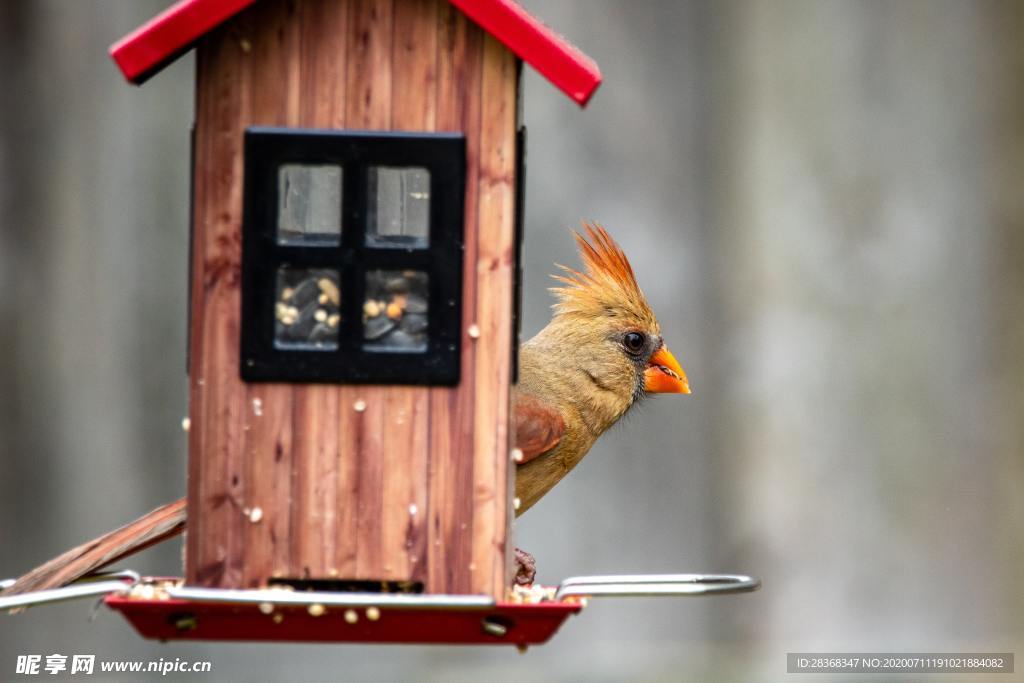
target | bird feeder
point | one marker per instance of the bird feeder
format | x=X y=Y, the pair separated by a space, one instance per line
x=353 y=278
x=357 y=185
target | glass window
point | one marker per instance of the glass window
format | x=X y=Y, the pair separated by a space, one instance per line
x=352 y=257
x=399 y=207
x=306 y=309
x=309 y=205
x=395 y=310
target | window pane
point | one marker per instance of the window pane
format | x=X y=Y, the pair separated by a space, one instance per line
x=309 y=205
x=306 y=309
x=399 y=207
x=395 y=312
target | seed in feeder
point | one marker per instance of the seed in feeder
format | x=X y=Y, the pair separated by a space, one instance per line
x=333 y=319
x=267 y=607
x=322 y=333
x=351 y=616
x=401 y=340
x=414 y=323
x=305 y=292
x=473 y=331
x=372 y=613
x=359 y=405
x=377 y=328
x=397 y=285
x=278 y=618
x=280 y=310
x=316 y=610
x=186 y=424
x=371 y=308
x=400 y=299
x=394 y=311
x=320 y=315
x=415 y=304
x=323 y=299
x=330 y=289
x=287 y=292
x=255 y=515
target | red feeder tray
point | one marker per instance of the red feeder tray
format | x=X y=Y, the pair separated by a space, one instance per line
x=498 y=624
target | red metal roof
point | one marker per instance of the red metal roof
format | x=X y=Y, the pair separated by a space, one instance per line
x=168 y=35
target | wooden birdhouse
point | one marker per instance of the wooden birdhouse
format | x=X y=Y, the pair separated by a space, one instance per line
x=356 y=177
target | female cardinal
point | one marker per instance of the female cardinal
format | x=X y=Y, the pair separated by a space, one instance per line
x=601 y=353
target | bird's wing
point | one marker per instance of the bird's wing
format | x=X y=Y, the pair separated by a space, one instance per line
x=539 y=427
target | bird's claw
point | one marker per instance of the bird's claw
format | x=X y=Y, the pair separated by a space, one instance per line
x=526 y=568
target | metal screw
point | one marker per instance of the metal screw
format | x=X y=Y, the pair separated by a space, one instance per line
x=186 y=622
x=494 y=628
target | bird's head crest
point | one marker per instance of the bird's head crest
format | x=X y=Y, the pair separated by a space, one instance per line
x=607 y=285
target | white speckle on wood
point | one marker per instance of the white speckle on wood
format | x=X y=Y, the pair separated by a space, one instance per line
x=473 y=331
x=359 y=405
x=186 y=424
x=257 y=407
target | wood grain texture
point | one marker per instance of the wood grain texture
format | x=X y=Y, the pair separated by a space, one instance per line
x=370 y=482
x=413 y=108
x=450 y=531
x=274 y=58
x=214 y=552
x=495 y=265
x=368 y=58
x=316 y=469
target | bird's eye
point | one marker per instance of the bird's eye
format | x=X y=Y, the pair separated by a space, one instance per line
x=634 y=342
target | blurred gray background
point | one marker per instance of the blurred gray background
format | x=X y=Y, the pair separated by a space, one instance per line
x=824 y=202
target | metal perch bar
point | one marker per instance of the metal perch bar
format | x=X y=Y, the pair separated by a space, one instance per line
x=88 y=587
x=577 y=586
x=656 y=585
x=277 y=596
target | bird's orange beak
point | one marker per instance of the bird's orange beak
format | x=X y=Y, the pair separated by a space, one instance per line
x=664 y=375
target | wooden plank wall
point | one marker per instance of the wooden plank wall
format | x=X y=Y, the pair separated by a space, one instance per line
x=382 y=482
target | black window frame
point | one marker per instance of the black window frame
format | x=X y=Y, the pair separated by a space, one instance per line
x=444 y=156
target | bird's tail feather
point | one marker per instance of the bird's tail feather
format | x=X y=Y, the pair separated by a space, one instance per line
x=159 y=525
